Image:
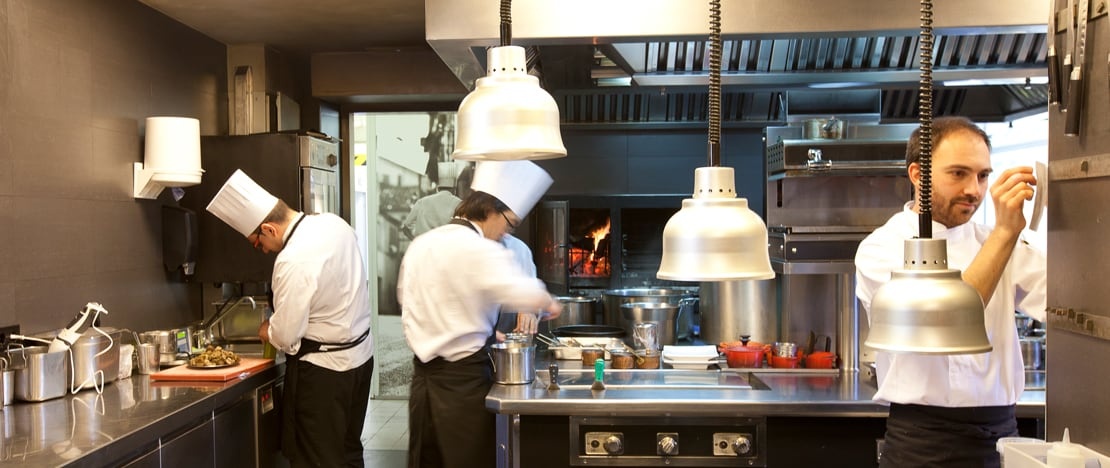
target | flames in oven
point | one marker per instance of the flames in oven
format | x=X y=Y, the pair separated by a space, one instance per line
x=589 y=255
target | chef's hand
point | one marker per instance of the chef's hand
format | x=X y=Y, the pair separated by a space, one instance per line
x=497 y=335
x=553 y=310
x=264 y=331
x=527 y=323
x=1009 y=194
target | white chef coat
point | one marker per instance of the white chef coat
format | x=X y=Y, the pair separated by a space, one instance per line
x=996 y=378
x=431 y=212
x=320 y=292
x=451 y=282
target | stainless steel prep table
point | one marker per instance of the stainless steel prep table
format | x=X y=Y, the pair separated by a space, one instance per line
x=660 y=398
x=130 y=421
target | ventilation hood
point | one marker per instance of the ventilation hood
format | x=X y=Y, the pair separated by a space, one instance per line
x=646 y=61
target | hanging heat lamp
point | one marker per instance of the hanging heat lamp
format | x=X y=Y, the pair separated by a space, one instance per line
x=508 y=116
x=926 y=307
x=715 y=236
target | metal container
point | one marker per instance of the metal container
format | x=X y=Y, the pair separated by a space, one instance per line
x=1033 y=352
x=513 y=363
x=663 y=315
x=165 y=341
x=577 y=310
x=614 y=298
x=44 y=375
x=93 y=353
x=730 y=309
x=147 y=358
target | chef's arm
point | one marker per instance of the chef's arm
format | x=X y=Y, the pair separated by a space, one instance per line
x=1009 y=194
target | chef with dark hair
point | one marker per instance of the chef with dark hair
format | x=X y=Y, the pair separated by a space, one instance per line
x=453 y=281
x=321 y=321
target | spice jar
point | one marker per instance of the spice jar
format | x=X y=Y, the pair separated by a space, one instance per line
x=591 y=355
x=622 y=359
x=646 y=359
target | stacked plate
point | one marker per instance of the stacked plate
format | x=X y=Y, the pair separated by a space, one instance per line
x=690 y=357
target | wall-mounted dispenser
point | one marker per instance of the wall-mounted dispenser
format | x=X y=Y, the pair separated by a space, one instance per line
x=179 y=239
x=172 y=156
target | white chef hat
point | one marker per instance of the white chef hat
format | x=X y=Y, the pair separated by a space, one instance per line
x=242 y=203
x=518 y=184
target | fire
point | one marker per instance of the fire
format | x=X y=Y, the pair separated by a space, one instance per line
x=599 y=234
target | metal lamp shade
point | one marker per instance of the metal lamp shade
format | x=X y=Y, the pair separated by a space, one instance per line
x=715 y=236
x=927 y=308
x=508 y=116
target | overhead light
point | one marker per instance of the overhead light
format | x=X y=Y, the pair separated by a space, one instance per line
x=508 y=116
x=927 y=308
x=715 y=236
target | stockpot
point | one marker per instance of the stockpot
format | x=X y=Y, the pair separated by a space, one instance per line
x=577 y=310
x=614 y=298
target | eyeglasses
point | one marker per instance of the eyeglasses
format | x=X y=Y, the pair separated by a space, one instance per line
x=512 y=227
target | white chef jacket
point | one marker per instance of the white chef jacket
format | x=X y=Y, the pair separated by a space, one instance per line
x=431 y=212
x=996 y=378
x=320 y=292
x=451 y=282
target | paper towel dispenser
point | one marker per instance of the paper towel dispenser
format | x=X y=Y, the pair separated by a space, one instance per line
x=179 y=239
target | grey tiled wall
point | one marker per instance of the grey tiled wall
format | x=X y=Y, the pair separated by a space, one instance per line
x=77 y=80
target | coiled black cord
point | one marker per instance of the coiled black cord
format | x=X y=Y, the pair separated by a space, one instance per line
x=714 y=83
x=506 y=22
x=925 y=116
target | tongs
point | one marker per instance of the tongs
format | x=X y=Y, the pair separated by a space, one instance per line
x=547 y=340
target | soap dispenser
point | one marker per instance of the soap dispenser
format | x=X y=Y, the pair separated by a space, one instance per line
x=1064 y=454
x=179 y=239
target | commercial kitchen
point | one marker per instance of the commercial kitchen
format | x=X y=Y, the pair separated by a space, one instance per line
x=84 y=230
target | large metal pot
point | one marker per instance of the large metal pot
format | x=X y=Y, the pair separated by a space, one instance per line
x=577 y=310
x=1032 y=352
x=614 y=298
x=662 y=314
x=513 y=362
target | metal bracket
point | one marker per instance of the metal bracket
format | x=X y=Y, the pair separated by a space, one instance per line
x=1064 y=318
x=1087 y=167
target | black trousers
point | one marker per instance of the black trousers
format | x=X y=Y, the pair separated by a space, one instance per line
x=449 y=425
x=932 y=436
x=323 y=414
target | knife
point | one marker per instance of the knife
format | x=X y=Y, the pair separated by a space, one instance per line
x=1075 y=81
x=1054 y=83
x=1069 y=49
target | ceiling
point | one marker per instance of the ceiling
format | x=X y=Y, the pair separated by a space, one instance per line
x=643 y=61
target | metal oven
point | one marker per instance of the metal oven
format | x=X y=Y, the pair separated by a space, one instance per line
x=823 y=197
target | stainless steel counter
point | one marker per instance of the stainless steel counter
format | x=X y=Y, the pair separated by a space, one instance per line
x=784 y=392
x=130 y=418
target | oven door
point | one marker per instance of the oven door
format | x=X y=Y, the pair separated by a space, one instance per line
x=552 y=245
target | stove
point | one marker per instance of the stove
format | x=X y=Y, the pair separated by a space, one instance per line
x=667 y=441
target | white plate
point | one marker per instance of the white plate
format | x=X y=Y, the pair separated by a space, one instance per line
x=690 y=354
x=687 y=365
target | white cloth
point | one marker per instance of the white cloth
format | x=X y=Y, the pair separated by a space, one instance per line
x=518 y=184
x=451 y=282
x=320 y=292
x=996 y=378
x=242 y=203
x=430 y=212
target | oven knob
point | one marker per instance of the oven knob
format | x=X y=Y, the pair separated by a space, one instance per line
x=742 y=445
x=668 y=446
x=613 y=445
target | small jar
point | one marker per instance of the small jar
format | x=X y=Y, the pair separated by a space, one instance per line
x=591 y=355
x=622 y=359
x=647 y=359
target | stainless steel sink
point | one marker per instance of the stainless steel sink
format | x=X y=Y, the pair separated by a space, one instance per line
x=670 y=379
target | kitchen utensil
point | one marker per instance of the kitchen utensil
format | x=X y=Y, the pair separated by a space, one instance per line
x=785 y=349
x=828 y=343
x=783 y=362
x=513 y=363
x=1032 y=352
x=577 y=331
x=647 y=359
x=613 y=299
x=744 y=356
x=147 y=358
x=44 y=376
x=577 y=310
x=599 y=376
x=811 y=343
x=77 y=326
x=820 y=360
x=645 y=336
x=661 y=314
x=7 y=383
x=622 y=359
x=589 y=355
x=1054 y=83
x=553 y=372
x=246 y=367
x=1075 y=80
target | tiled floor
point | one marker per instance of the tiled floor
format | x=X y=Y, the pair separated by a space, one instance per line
x=385 y=437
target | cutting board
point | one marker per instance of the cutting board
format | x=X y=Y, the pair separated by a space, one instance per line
x=184 y=373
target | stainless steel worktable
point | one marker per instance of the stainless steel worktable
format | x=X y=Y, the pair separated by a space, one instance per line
x=132 y=417
x=776 y=409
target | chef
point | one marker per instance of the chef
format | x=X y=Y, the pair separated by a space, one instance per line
x=321 y=320
x=453 y=280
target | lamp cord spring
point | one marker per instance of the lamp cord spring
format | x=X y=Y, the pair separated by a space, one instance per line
x=715 y=83
x=506 y=12
x=925 y=116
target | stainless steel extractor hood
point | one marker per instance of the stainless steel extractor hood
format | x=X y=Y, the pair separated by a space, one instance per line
x=645 y=61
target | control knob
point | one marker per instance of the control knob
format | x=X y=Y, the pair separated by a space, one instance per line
x=613 y=445
x=667 y=446
x=742 y=445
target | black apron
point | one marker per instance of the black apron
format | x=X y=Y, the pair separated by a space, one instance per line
x=293 y=371
x=449 y=425
x=932 y=436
